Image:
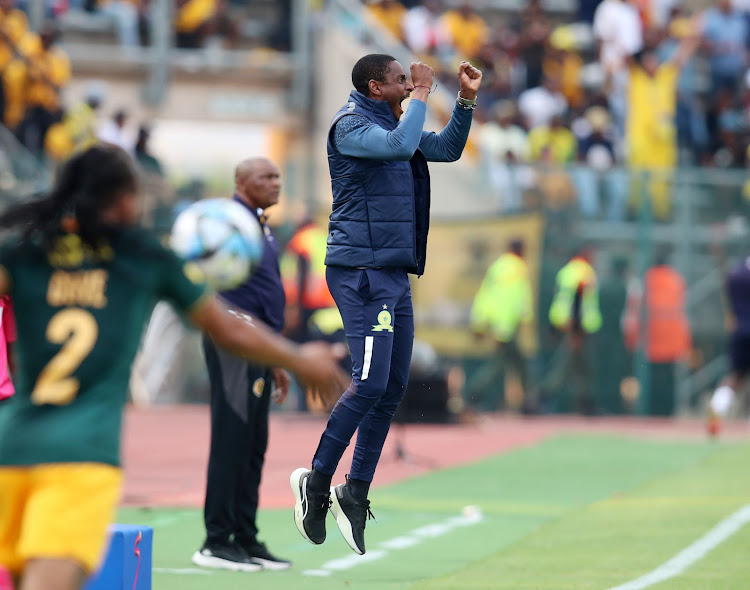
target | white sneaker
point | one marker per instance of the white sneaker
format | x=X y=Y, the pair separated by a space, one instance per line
x=225 y=557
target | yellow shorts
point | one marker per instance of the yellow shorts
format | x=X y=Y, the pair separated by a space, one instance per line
x=59 y=511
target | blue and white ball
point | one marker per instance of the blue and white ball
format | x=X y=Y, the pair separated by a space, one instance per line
x=222 y=238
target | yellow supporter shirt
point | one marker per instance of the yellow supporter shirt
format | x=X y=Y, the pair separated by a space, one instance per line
x=13 y=26
x=650 y=130
x=14 y=79
x=468 y=35
x=568 y=71
x=390 y=16
x=48 y=72
x=562 y=144
x=193 y=13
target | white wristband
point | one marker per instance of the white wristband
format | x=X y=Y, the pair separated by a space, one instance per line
x=465 y=103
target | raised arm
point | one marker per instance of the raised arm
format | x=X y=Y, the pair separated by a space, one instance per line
x=358 y=137
x=689 y=44
x=315 y=363
x=448 y=145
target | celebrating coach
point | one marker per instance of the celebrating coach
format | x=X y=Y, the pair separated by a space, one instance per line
x=377 y=236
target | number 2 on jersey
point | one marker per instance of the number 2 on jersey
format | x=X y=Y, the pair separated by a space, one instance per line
x=77 y=331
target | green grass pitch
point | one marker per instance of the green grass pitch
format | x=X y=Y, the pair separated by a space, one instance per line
x=574 y=512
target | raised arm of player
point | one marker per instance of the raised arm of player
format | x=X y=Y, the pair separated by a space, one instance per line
x=315 y=363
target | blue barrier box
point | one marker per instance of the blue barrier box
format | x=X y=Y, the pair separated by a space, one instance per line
x=127 y=565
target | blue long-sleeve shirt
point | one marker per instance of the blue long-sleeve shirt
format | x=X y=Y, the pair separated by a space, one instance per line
x=358 y=137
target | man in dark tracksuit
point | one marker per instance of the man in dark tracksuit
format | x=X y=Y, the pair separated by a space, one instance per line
x=377 y=235
x=240 y=398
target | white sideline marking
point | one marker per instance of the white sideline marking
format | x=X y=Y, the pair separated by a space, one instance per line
x=695 y=552
x=472 y=515
x=399 y=543
x=348 y=562
x=319 y=573
x=185 y=570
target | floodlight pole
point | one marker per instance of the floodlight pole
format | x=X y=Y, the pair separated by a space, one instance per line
x=155 y=88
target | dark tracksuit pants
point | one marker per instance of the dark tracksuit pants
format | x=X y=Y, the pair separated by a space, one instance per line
x=376 y=307
x=240 y=397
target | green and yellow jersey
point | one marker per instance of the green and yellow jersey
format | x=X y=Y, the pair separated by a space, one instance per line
x=80 y=313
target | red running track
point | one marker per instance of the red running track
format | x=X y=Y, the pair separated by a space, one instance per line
x=165 y=448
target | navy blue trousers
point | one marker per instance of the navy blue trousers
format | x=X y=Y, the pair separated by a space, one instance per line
x=378 y=317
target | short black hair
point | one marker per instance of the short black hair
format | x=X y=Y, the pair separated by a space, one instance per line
x=516 y=246
x=370 y=67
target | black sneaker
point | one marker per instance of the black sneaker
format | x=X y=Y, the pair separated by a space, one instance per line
x=260 y=554
x=310 y=508
x=351 y=515
x=229 y=556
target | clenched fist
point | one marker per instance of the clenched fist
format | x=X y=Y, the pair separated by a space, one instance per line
x=422 y=74
x=470 y=78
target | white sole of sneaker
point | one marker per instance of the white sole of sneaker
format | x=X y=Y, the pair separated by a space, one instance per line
x=343 y=522
x=299 y=515
x=272 y=565
x=224 y=564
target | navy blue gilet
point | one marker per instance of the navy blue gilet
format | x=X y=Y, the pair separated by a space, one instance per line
x=381 y=208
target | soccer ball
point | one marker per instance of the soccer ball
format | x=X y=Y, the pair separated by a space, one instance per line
x=222 y=238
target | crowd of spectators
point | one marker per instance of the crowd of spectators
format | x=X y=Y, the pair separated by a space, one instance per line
x=572 y=104
x=34 y=72
x=196 y=23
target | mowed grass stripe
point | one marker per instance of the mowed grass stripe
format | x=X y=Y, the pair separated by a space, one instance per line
x=518 y=492
x=629 y=534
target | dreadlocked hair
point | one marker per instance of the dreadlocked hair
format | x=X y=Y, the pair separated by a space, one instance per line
x=87 y=183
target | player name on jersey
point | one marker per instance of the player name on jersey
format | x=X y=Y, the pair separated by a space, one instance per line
x=85 y=287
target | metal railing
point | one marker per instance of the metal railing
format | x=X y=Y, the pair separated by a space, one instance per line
x=21 y=173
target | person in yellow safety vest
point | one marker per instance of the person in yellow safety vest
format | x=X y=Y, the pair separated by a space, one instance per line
x=77 y=130
x=575 y=306
x=503 y=303
x=303 y=273
x=575 y=312
x=311 y=312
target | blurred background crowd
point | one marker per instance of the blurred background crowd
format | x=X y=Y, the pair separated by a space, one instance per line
x=615 y=127
x=646 y=84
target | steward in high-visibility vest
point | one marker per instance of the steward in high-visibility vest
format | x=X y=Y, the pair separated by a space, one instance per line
x=667 y=337
x=303 y=273
x=504 y=300
x=576 y=302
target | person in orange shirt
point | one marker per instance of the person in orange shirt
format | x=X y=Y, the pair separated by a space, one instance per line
x=310 y=311
x=667 y=338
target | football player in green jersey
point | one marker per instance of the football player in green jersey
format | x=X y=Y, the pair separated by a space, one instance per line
x=84 y=278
